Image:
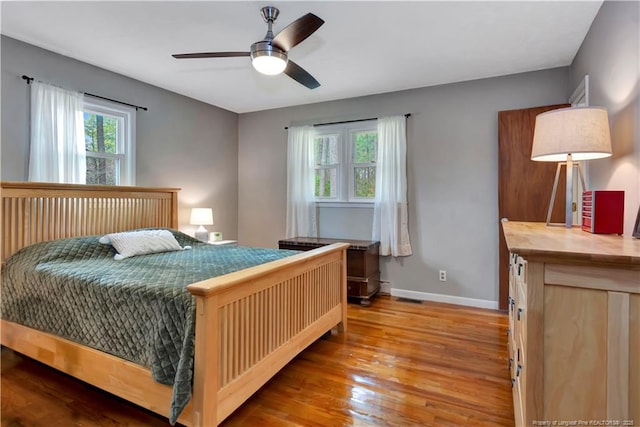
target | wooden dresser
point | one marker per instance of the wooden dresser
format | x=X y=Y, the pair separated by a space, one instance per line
x=574 y=325
x=363 y=264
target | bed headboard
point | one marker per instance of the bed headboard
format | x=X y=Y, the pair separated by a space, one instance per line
x=33 y=212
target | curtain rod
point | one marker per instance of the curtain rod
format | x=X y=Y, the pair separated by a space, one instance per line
x=346 y=121
x=137 y=107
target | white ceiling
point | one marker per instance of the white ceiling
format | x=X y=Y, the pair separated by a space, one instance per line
x=363 y=48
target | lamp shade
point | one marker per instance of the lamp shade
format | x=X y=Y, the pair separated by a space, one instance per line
x=582 y=132
x=201 y=216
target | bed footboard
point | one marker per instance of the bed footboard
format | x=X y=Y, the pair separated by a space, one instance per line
x=251 y=323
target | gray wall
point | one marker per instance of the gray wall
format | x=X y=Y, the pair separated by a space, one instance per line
x=180 y=142
x=610 y=54
x=452 y=176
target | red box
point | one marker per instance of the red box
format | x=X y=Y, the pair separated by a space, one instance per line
x=603 y=211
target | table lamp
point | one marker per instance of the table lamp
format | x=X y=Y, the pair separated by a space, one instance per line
x=201 y=217
x=568 y=135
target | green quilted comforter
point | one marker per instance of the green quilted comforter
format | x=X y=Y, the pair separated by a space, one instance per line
x=137 y=309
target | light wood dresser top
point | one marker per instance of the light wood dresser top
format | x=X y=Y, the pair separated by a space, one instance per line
x=555 y=243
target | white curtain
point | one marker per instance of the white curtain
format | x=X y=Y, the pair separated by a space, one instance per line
x=57 y=135
x=301 y=205
x=390 y=219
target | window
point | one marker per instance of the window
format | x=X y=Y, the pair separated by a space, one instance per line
x=109 y=131
x=345 y=159
x=364 y=145
x=327 y=163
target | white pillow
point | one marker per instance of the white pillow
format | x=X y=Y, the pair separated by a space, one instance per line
x=142 y=242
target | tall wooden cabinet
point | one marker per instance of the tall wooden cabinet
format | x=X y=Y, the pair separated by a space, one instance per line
x=574 y=325
x=524 y=186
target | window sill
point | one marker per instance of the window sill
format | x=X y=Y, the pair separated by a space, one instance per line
x=368 y=205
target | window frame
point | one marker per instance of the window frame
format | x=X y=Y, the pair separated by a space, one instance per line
x=346 y=138
x=125 y=141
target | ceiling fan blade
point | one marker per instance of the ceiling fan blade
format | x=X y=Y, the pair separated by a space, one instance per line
x=297 y=31
x=298 y=74
x=209 y=55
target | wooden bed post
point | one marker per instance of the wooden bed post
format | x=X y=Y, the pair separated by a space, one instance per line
x=174 y=210
x=342 y=326
x=205 y=384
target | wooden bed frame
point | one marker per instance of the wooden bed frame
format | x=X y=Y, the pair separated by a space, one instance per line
x=249 y=324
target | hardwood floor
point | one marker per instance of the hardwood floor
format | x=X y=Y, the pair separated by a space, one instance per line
x=401 y=364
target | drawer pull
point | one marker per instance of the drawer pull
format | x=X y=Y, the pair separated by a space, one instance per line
x=519 y=312
x=518 y=369
x=508 y=332
x=518 y=354
x=510 y=362
x=513 y=381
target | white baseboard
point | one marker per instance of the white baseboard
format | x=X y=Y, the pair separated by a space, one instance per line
x=449 y=299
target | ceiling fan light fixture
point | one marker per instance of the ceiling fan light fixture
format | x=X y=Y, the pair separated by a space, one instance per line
x=268 y=59
x=269 y=65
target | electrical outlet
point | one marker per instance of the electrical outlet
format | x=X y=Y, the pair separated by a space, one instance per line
x=443 y=275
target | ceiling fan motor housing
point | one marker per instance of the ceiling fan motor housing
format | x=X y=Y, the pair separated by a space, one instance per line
x=265 y=48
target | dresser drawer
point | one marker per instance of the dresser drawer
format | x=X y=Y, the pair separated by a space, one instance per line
x=357 y=287
x=511 y=308
x=362 y=262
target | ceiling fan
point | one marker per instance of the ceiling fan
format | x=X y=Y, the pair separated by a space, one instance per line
x=269 y=56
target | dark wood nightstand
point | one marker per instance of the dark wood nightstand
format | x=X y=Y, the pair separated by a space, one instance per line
x=363 y=266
